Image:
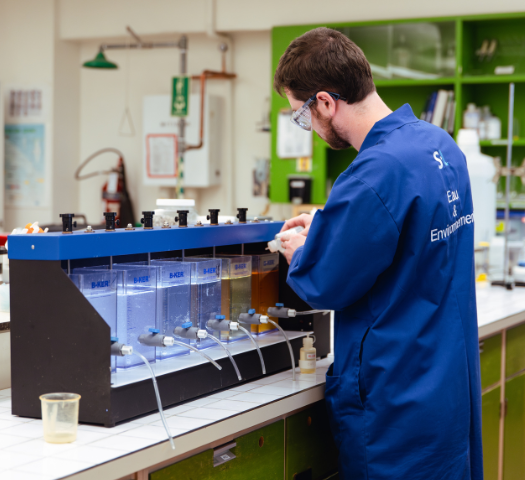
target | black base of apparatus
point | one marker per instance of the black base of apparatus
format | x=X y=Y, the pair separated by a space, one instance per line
x=59 y=343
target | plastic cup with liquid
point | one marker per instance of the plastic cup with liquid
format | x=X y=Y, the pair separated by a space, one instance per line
x=60 y=417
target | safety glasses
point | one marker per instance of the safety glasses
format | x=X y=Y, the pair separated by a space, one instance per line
x=303 y=116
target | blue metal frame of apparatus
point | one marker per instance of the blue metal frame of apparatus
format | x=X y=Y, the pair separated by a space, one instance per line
x=80 y=244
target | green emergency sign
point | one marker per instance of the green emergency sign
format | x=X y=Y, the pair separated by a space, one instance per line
x=180 y=96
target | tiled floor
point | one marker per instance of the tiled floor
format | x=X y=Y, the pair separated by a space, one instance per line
x=25 y=456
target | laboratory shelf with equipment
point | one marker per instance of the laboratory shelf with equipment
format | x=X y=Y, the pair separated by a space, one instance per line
x=117 y=307
x=472 y=59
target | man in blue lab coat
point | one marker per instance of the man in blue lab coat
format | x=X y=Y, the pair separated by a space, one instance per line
x=392 y=253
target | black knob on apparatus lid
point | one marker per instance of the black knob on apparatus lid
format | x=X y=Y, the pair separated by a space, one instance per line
x=111 y=221
x=182 y=218
x=147 y=219
x=213 y=217
x=242 y=215
x=67 y=222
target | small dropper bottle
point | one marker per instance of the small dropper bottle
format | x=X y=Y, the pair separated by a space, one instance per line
x=275 y=245
x=307 y=355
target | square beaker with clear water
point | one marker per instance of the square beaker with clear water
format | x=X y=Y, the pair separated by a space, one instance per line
x=100 y=289
x=205 y=294
x=136 y=310
x=173 y=302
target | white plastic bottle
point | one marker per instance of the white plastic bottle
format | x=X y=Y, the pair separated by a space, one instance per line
x=307 y=355
x=471 y=116
x=275 y=245
x=493 y=128
x=481 y=170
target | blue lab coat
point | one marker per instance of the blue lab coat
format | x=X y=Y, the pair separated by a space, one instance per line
x=393 y=254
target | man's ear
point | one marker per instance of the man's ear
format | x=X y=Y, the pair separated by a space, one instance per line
x=325 y=104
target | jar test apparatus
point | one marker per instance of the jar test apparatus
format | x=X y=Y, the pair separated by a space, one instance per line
x=38 y=276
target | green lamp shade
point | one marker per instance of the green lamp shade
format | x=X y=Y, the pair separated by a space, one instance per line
x=100 y=62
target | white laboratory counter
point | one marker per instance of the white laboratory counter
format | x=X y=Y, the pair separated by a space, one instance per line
x=110 y=453
x=134 y=447
x=498 y=308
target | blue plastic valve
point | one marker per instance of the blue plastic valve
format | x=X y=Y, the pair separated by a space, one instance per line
x=280 y=305
x=114 y=339
x=220 y=317
x=186 y=325
x=154 y=330
x=251 y=311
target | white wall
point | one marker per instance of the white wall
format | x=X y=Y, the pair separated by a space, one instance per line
x=66 y=126
x=26 y=58
x=83 y=19
x=31 y=53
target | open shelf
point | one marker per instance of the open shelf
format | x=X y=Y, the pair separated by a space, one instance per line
x=407 y=82
x=492 y=79
x=502 y=142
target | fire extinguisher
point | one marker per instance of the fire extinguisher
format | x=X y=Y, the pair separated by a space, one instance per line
x=115 y=195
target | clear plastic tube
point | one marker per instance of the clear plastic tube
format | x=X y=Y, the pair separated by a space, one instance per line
x=250 y=336
x=289 y=347
x=215 y=339
x=310 y=312
x=196 y=350
x=157 y=394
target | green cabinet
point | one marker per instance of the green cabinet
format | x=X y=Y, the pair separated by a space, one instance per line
x=514 y=408
x=515 y=355
x=309 y=444
x=490 y=366
x=490 y=361
x=514 y=453
x=490 y=433
x=259 y=456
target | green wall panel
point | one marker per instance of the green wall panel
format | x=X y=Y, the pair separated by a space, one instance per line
x=514 y=451
x=515 y=351
x=490 y=433
x=337 y=161
x=490 y=361
x=282 y=168
x=309 y=444
x=254 y=461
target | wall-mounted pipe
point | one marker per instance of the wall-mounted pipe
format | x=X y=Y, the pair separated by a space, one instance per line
x=205 y=75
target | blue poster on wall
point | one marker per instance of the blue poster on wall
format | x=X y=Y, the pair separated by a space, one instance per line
x=25 y=165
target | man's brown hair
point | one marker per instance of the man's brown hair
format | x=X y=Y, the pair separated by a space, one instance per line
x=324 y=60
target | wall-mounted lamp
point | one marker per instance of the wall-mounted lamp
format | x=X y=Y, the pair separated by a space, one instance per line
x=100 y=61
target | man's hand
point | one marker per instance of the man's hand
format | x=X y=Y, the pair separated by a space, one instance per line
x=292 y=243
x=303 y=220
